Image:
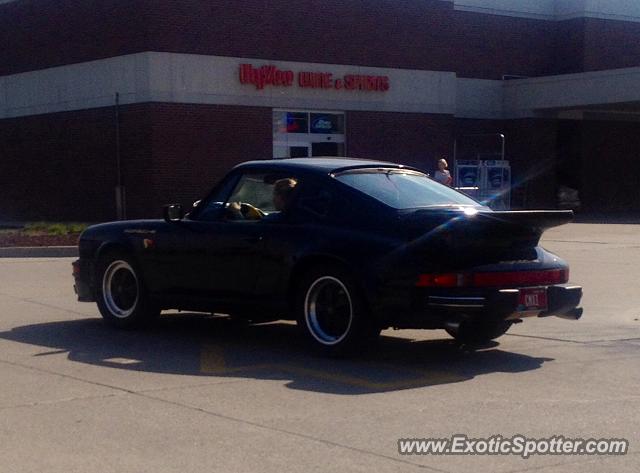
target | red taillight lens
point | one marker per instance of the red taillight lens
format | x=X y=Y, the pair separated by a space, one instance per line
x=441 y=280
x=521 y=278
x=495 y=279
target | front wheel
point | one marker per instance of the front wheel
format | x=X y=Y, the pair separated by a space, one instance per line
x=121 y=296
x=477 y=332
x=332 y=312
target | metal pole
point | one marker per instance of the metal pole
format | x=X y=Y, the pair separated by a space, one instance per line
x=500 y=135
x=455 y=162
x=120 y=199
x=503 y=141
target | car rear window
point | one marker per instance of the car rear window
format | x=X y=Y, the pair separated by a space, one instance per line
x=403 y=189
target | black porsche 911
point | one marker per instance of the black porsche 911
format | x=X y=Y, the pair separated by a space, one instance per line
x=346 y=247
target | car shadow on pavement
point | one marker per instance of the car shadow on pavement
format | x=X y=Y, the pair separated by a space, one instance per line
x=200 y=345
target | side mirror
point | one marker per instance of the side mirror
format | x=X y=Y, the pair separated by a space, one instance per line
x=173 y=213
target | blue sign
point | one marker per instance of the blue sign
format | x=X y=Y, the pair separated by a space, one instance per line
x=325 y=123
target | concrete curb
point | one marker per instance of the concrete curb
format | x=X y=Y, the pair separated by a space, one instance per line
x=39 y=252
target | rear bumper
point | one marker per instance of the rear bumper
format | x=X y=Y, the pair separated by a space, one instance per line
x=441 y=308
x=83 y=280
x=562 y=300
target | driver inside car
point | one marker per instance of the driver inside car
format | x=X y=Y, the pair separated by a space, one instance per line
x=244 y=211
x=282 y=192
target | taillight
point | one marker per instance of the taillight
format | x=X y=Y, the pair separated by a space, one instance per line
x=521 y=278
x=76 y=268
x=495 y=279
x=442 y=280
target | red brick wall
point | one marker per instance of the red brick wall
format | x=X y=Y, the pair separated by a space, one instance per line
x=610 y=166
x=569 y=53
x=475 y=136
x=427 y=34
x=58 y=166
x=490 y=46
x=36 y=34
x=408 y=138
x=194 y=146
x=611 y=44
x=63 y=166
x=381 y=33
x=592 y=44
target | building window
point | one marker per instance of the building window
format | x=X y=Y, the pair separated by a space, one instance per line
x=291 y=122
x=298 y=134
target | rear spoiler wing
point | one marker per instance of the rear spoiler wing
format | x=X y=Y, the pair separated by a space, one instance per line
x=538 y=219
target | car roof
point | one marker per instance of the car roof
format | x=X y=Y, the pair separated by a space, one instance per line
x=322 y=165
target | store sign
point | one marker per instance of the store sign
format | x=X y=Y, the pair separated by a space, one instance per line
x=326 y=124
x=271 y=76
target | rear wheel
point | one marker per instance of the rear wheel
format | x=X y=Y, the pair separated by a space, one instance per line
x=332 y=312
x=476 y=332
x=121 y=296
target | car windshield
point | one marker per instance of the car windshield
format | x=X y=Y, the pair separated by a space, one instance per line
x=404 y=189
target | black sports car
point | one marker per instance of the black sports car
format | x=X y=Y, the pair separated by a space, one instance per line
x=346 y=247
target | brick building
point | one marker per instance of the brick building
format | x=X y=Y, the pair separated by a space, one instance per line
x=205 y=84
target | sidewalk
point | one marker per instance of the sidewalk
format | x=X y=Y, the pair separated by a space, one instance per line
x=603 y=218
x=10 y=225
x=39 y=252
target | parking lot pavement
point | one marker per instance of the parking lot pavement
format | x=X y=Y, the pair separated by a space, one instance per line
x=198 y=393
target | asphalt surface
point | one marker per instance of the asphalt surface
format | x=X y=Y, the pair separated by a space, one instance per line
x=197 y=393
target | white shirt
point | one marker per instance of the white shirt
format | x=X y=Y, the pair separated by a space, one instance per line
x=442 y=177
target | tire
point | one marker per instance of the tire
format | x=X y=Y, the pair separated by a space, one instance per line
x=121 y=296
x=478 y=332
x=332 y=312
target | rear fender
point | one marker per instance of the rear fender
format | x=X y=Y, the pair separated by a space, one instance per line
x=310 y=261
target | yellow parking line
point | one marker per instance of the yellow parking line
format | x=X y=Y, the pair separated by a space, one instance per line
x=421 y=379
x=212 y=361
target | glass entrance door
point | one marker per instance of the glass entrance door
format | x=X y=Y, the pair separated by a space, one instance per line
x=299 y=151
x=327 y=149
x=305 y=134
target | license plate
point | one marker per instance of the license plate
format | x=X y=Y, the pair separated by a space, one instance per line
x=534 y=298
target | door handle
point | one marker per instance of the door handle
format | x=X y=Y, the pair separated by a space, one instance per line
x=254 y=239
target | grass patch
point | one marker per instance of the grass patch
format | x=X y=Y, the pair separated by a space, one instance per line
x=53 y=228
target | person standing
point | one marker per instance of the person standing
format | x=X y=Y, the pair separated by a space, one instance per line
x=442 y=175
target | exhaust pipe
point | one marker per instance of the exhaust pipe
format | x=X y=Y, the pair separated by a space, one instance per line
x=573 y=314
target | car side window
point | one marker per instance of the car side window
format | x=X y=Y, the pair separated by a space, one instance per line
x=212 y=208
x=260 y=196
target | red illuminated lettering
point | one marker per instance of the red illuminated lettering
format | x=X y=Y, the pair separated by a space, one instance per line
x=269 y=75
x=315 y=80
x=265 y=75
